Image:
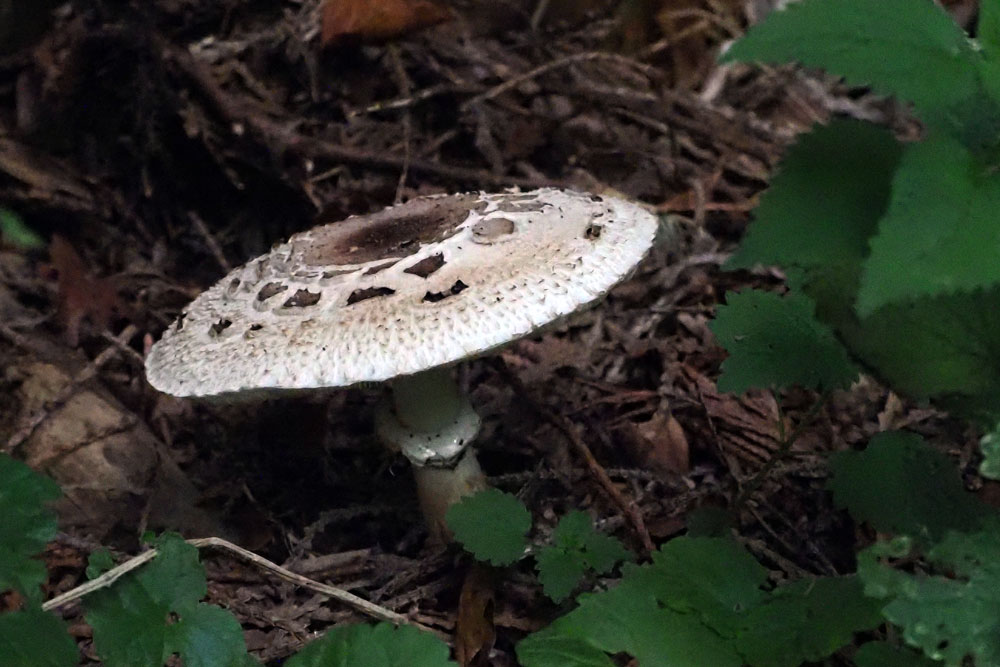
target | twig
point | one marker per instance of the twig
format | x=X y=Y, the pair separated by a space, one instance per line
x=405 y=88
x=213 y=245
x=67 y=392
x=627 y=506
x=349 y=599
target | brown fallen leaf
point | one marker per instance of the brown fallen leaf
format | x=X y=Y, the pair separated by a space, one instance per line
x=659 y=444
x=475 y=631
x=381 y=21
x=81 y=295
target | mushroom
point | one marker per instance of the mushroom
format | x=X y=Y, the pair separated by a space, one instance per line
x=402 y=295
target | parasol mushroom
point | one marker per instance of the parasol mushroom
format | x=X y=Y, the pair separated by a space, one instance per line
x=400 y=296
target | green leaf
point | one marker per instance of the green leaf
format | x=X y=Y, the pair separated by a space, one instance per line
x=825 y=201
x=988 y=28
x=777 y=342
x=701 y=603
x=576 y=547
x=150 y=614
x=491 y=525
x=380 y=645
x=602 y=552
x=812 y=619
x=551 y=649
x=628 y=620
x=560 y=571
x=909 y=48
x=900 y=484
x=34 y=638
x=939 y=234
x=99 y=562
x=951 y=615
x=27 y=525
x=711 y=577
x=884 y=654
x=15 y=232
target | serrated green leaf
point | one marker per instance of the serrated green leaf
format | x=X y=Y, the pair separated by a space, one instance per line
x=209 y=636
x=572 y=530
x=909 y=48
x=576 y=547
x=812 y=619
x=901 y=484
x=152 y=613
x=551 y=649
x=559 y=571
x=380 y=645
x=27 y=525
x=947 y=348
x=602 y=552
x=939 y=233
x=14 y=231
x=628 y=620
x=34 y=638
x=491 y=525
x=884 y=654
x=825 y=200
x=99 y=562
x=950 y=616
x=777 y=342
x=711 y=577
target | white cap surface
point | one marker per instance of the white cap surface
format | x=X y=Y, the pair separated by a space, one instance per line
x=415 y=286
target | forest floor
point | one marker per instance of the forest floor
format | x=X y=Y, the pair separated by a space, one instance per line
x=158 y=144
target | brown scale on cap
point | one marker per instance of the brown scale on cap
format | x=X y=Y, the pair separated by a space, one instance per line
x=395 y=232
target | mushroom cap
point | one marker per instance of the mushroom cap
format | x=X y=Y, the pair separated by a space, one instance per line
x=415 y=286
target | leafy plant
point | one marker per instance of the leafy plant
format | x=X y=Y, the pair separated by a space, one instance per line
x=894 y=243
x=26 y=526
x=154 y=613
x=151 y=614
x=576 y=549
x=380 y=645
x=900 y=484
x=704 y=601
x=492 y=525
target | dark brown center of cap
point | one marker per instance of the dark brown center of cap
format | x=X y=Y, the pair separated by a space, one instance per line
x=398 y=231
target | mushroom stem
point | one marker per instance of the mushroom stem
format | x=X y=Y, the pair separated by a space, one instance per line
x=427 y=401
x=433 y=423
x=440 y=488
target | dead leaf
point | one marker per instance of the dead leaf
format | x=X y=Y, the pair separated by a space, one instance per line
x=384 y=20
x=110 y=467
x=81 y=295
x=475 y=631
x=660 y=444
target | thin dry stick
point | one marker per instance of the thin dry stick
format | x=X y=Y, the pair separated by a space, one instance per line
x=67 y=392
x=213 y=245
x=351 y=600
x=405 y=89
